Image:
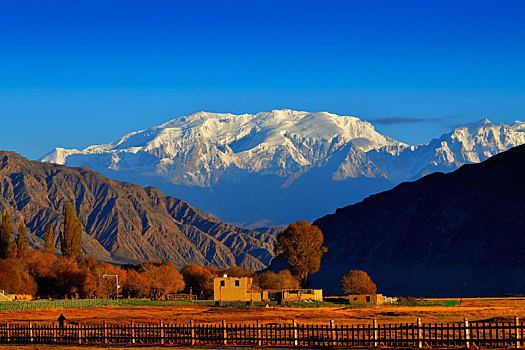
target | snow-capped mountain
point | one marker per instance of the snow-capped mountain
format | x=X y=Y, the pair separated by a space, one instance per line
x=281 y=165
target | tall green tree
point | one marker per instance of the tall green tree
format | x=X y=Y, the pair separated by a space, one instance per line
x=22 y=244
x=7 y=245
x=71 y=236
x=49 y=247
x=301 y=244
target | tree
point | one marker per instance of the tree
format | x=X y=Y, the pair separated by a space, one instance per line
x=199 y=279
x=71 y=237
x=236 y=271
x=7 y=245
x=49 y=246
x=15 y=279
x=357 y=282
x=164 y=279
x=301 y=244
x=275 y=281
x=22 y=244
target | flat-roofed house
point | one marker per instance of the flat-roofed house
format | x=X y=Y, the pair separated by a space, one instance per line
x=237 y=289
x=374 y=299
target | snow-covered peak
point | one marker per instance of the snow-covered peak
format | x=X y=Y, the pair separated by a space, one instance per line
x=196 y=149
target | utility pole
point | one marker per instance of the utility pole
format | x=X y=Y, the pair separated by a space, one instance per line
x=463 y=292
x=116 y=276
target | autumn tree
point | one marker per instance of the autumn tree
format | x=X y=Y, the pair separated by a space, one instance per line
x=236 y=271
x=199 y=279
x=301 y=244
x=274 y=281
x=49 y=246
x=15 y=279
x=22 y=244
x=164 y=278
x=357 y=282
x=71 y=236
x=7 y=245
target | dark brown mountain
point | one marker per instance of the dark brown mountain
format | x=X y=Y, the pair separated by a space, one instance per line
x=123 y=223
x=426 y=238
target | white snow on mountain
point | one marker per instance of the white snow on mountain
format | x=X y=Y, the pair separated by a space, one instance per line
x=281 y=165
x=195 y=150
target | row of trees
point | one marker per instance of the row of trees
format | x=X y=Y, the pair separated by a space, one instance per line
x=25 y=271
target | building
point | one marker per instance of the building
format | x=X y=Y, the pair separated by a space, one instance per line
x=374 y=299
x=237 y=289
x=291 y=295
x=4 y=296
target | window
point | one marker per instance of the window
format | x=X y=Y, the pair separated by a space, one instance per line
x=355 y=298
x=367 y=298
x=222 y=284
x=237 y=283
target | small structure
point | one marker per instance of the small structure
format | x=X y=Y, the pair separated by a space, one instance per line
x=25 y=297
x=292 y=295
x=4 y=296
x=237 y=289
x=374 y=299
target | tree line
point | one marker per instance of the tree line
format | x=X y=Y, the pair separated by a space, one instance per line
x=42 y=273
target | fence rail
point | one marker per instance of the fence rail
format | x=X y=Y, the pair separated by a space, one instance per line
x=417 y=335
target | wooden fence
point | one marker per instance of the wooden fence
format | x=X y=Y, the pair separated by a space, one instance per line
x=416 y=335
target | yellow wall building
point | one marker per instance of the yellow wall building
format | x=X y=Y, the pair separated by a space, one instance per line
x=237 y=289
x=302 y=294
x=375 y=299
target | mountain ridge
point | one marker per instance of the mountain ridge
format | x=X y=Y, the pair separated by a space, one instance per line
x=427 y=237
x=123 y=223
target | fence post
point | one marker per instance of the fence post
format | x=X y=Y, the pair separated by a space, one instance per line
x=467 y=334
x=376 y=344
x=132 y=332
x=295 y=342
x=105 y=332
x=224 y=333
x=79 y=333
x=419 y=334
x=8 y=333
x=334 y=335
x=161 y=330
x=518 y=332
x=54 y=332
x=30 y=332
x=259 y=333
x=192 y=332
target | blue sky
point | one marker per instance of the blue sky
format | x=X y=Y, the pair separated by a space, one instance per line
x=76 y=73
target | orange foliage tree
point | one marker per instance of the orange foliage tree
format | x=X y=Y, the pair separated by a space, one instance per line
x=199 y=279
x=301 y=244
x=357 y=282
x=274 y=281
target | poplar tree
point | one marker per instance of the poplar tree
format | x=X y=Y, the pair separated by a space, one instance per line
x=49 y=247
x=301 y=244
x=22 y=244
x=71 y=236
x=7 y=245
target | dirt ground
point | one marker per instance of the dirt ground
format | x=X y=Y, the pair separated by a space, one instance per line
x=478 y=309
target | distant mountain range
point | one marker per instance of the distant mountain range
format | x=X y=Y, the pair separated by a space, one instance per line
x=280 y=166
x=123 y=223
x=426 y=238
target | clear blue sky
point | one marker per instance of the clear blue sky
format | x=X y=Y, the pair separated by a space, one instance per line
x=76 y=73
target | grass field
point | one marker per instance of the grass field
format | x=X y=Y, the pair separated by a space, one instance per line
x=477 y=309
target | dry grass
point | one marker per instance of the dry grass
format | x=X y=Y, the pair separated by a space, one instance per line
x=474 y=309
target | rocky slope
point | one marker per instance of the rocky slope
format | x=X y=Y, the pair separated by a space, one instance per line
x=426 y=238
x=269 y=167
x=124 y=222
